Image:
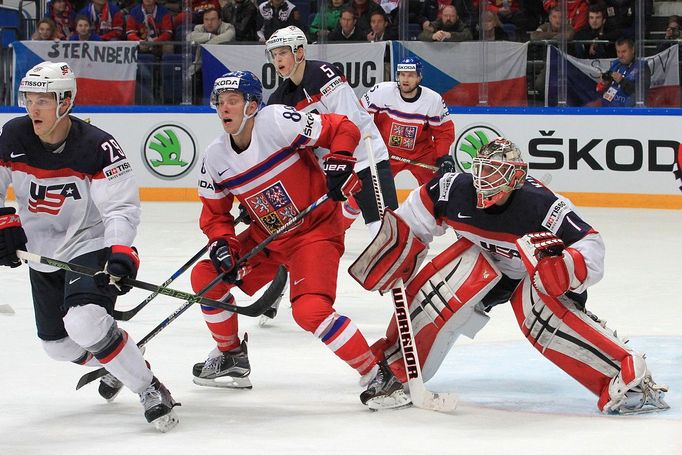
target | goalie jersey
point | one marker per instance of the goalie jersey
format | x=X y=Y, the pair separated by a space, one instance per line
x=419 y=129
x=79 y=198
x=324 y=90
x=276 y=177
x=451 y=201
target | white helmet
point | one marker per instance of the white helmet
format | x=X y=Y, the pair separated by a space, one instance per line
x=290 y=36
x=49 y=77
x=498 y=170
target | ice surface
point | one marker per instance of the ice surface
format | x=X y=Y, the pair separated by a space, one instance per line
x=304 y=400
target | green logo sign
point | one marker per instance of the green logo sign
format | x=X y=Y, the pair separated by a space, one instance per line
x=468 y=143
x=169 y=151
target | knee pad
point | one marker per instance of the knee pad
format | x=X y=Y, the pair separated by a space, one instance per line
x=64 y=350
x=88 y=325
x=202 y=274
x=310 y=310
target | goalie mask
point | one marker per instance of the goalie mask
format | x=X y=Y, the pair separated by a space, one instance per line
x=498 y=170
x=292 y=37
x=50 y=77
x=239 y=81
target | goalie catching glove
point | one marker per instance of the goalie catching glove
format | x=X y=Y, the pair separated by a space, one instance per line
x=123 y=263
x=554 y=269
x=342 y=182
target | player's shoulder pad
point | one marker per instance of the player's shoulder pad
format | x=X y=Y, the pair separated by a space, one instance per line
x=553 y=206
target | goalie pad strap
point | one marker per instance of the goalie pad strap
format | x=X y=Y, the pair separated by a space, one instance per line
x=394 y=253
x=567 y=336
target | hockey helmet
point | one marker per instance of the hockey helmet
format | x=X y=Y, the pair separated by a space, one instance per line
x=290 y=36
x=498 y=169
x=410 y=64
x=49 y=77
x=240 y=81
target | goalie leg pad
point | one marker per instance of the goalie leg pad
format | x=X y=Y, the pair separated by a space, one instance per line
x=394 y=253
x=443 y=297
x=572 y=339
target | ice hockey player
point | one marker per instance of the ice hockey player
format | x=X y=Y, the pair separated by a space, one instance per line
x=264 y=159
x=414 y=122
x=319 y=87
x=520 y=243
x=77 y=201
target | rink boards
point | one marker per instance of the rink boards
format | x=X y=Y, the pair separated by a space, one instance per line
x=597 y=157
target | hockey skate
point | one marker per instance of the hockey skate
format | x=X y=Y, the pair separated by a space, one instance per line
x=384 y=390
x=225 y=369
x=158 y=406
x=109 y=387
x=640 y=396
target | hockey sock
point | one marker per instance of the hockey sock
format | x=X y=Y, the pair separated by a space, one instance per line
x=223 y=326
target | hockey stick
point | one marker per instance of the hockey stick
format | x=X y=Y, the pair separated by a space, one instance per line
x=253 y=310
x=414 y=163
x=128 y=314
x=420 y=397
x=269 y=295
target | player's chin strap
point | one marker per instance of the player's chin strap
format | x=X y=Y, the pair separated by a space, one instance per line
x=245 y=119
x=293 y=70
x=59 y=117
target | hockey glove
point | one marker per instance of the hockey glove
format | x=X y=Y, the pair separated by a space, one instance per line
x=445 y=165
x=12 y=237
x=342 y=182
x=224 y=254
x=123 y=263
x=555 y=268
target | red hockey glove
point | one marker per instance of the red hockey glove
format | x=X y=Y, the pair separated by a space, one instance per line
x=12 y=237
x=342 y=182
x=553 y=268
x=224 y=254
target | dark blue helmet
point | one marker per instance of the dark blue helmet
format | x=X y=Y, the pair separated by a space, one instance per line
x=240 y=81
x=410 y=64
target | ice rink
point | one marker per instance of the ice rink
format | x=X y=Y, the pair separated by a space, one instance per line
x=305 y=400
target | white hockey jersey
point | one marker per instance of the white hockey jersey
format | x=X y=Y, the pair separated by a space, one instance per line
x=276 y=177
x=416 y=128
x=81 y=198
x=450 y=200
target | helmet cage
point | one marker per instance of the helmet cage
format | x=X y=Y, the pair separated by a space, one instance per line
x=494 y=178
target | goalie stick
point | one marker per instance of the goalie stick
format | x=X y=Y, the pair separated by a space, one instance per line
x=414 y=163
x=129 y=314
x=420 y=396
x=270 y=294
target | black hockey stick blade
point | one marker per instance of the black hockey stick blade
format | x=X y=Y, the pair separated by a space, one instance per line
x=265 y=301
